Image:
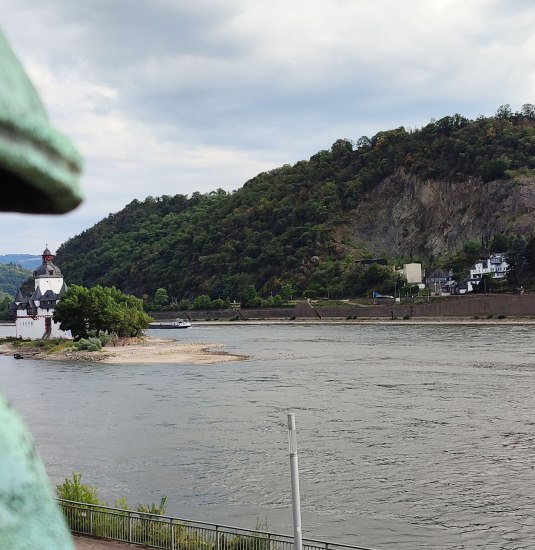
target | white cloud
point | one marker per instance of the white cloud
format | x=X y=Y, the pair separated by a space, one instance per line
x=170 y=96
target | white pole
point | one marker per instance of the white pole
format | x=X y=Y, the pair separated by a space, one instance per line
x=294 y=469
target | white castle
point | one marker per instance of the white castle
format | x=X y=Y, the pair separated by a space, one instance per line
x=33 y=314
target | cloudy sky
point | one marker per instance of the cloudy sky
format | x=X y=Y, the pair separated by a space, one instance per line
x=176 y=96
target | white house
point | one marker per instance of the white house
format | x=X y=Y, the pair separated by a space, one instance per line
x=413 y=273
x=496 y=266
x=33 y=313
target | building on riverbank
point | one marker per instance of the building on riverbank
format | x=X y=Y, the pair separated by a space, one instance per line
x=33 y=313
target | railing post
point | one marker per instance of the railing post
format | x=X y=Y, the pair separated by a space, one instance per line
x=217 y=538
x=91 y=521
x=172 y=529
x=129 y=526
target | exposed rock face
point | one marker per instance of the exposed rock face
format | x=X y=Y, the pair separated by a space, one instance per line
x=405 y=216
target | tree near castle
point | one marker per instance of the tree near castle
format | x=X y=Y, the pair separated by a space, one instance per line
x=101 y=309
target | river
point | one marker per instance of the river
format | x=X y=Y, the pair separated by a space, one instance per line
x=416 y=436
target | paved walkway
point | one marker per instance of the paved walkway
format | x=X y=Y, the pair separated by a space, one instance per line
x=88 y=543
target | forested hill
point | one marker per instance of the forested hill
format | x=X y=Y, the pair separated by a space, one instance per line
x=421 y=194
x=11 y=278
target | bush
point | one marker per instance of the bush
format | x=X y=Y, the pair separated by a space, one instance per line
x=88 y=344
x=105 y=338
x=74 y=489
x=93 y=342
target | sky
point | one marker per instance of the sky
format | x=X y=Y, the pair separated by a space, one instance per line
x=176 y=96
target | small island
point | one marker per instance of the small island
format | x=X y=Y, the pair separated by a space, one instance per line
x=123 y=351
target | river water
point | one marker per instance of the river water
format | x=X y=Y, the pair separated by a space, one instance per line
x=408 y=436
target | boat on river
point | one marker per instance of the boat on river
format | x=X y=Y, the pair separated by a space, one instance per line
x=177 y=323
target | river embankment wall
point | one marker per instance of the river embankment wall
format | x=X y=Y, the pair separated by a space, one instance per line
x=482 y=306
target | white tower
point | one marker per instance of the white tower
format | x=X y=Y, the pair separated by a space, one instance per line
x=34 y=312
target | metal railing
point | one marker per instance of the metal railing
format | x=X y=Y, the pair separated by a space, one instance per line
x=171 y=533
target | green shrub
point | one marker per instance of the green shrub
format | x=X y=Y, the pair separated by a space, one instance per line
x=74 y=489
x=104 y=337
x=90 y=344
x=145 y=529
x=158 y=509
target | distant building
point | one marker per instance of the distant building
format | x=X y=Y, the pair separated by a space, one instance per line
x=496 y=266
x=33 y=313
x=462 y=287
x=413 y=273
x=439 y=280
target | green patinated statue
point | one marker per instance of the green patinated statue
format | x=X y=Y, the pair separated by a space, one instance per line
x=39 y=172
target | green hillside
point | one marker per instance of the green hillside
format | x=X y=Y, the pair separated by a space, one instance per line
x=307 y=224
x=11 y=278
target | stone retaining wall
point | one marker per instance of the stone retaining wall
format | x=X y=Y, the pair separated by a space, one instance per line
x=509 y=305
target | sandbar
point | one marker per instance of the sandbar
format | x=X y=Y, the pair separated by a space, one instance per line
x=137 y=351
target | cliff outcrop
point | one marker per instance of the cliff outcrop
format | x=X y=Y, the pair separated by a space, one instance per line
x=407 y=216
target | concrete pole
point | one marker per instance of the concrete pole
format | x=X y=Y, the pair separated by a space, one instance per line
x=294 y=470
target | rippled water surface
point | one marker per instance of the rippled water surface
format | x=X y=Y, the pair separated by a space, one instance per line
x=409 y=436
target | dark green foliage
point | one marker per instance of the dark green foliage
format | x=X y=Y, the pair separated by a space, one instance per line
x=161 y=298
x=146 y=525
x=500 y=243
x=100 y=309
x=11 y=278
x=517 y=258
x=4 y=306
x=250 y=298
x=269 y=233
x=485 y=285
x=74 y=489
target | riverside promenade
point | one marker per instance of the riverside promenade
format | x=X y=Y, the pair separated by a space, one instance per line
x=88 y=543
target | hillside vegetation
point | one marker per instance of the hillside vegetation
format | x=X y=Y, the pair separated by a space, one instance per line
x=11 y=278
x=420 y=194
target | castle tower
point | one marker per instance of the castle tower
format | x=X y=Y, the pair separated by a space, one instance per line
x=34 y=313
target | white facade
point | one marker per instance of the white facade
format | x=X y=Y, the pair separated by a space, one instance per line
x=413 y=273
x=496 y=266
x=34 y=313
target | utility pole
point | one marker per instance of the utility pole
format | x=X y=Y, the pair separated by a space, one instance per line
x=294 y=470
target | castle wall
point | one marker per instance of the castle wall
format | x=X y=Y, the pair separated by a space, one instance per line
x=49 y=283
x=28 y=327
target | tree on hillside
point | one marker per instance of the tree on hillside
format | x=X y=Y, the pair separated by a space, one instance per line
x=12 y=277
x=518 y=264
x=499 y=243
x=101 y=309
x=219 y=244
x=249 y=297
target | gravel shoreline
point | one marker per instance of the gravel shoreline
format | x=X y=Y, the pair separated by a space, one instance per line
x=146 y=350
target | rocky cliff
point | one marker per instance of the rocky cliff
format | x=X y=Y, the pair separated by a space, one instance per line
x=407 y=216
